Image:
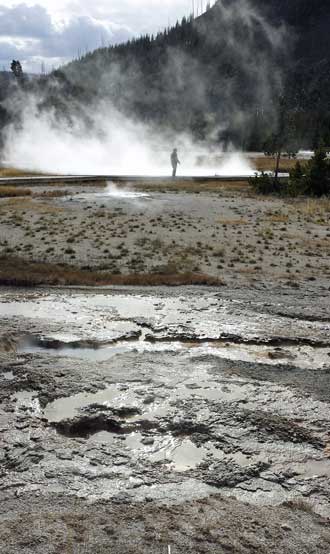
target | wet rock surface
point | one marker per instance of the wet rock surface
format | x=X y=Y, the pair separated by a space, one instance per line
x=185 y=404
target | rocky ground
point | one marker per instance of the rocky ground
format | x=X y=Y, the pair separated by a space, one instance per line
x=165 y=420
x=223 y=231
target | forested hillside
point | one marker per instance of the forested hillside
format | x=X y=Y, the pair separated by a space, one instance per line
x=220 y=76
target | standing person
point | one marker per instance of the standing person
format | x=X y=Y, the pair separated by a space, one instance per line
x=174 y=161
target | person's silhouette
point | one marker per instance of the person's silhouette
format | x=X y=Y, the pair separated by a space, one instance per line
x=174 y=161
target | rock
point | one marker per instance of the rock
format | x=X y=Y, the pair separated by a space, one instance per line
x=286 y=527
x=147 y=441
x=226 y=474
x=135 y=483
x=8 y=345
x=51 y=474
x=149 y=399
x=95 y=418
x=64 y=455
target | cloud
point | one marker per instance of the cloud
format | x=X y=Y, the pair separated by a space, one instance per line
x=25 y=21
x=30 y=34
x=57 y=31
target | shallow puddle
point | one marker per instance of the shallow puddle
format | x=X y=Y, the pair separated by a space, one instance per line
x=8 y=376
x=27 y=399
x=313 y=468
x=101 y=353
x=103 y=437
x=182 y=456
x=305 y=357
x=124 y=306
x=66 y=408
x=106 y=316
x=91 y=354
x=187 y=456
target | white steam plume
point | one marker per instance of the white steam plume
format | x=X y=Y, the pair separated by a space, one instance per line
x=116 y=145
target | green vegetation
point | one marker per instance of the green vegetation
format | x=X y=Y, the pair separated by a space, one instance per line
x=310 y=179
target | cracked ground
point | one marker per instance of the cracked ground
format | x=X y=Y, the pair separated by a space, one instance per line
x=138 y=419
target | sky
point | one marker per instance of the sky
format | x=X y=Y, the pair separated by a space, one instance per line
x=44 y=34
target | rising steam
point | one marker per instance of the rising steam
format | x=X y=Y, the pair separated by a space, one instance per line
x=114 y=142
x=116 y=145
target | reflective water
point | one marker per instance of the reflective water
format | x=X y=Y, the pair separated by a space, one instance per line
x=28 y=400
x=65 y=408
x=8 y=375
x=92 y=354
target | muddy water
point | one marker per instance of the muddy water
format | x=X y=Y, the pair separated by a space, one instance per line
x=92 y=354
x=224 y=389
x=174 y=320
x=64 y=408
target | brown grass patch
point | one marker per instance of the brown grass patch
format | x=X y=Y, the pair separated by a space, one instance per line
x=29 y=204
x=312 y=207
x=191 y=186
x=267 y=163
x=51 y=193
x=247 y=270
x=13 y=192
x=274 y=217
x=233 y=222
x=19 y=272
x=300 y=505
x=316 y=244
x=13 y=172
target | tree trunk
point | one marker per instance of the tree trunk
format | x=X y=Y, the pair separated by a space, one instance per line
x=277 y=167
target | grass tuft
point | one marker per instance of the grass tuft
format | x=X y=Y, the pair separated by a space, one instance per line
x=14 y=172
x=18 y=272
x=13 y=192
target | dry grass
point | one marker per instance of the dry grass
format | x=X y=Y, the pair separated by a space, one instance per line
x=267 y=163
x=13 y=192
x=51 y=193
x=275 y=217
x=317 y=244
x=191 y=186
x=233 y=222
x=300 y=505
x=313 y=207
x=19 y=272
x=28 y=204
x=74 y=183
x=13 y=172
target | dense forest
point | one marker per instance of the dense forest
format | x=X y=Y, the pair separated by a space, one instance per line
x=224 y=76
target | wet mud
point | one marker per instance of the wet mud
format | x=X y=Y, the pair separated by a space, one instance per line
x=191 y=418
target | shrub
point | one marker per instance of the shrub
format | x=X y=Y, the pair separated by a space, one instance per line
x=314 y=180
x=264 y=184
x=296 y=185
x=317 y=177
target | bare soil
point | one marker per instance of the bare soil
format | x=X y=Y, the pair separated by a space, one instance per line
x=221 y=233
x=164 y=420
x=135 y=420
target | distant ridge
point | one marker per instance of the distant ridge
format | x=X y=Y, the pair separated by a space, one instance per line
x=215 y=76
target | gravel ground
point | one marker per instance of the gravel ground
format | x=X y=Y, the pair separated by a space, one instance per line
x=222 y=231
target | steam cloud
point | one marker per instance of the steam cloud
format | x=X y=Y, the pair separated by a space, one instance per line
x=121 y=146
x=114 y=142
